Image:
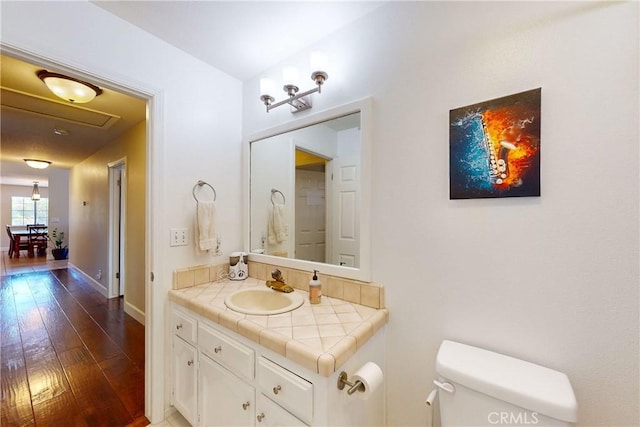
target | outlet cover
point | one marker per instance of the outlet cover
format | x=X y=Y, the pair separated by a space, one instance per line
x=178 y=237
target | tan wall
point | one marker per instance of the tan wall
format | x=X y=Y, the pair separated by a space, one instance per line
x=6 y=193
x=59 y=202
x=89 y=223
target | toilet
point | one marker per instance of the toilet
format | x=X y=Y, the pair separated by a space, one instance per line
x=478 y=387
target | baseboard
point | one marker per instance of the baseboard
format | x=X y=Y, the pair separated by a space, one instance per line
x=134 y=312
x=93 y=282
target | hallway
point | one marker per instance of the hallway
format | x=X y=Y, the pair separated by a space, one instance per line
x=68 y=355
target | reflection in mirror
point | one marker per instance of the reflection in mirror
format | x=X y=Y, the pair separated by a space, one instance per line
x=305 y=193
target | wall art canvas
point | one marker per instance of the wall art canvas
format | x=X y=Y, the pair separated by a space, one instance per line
x=494 y=148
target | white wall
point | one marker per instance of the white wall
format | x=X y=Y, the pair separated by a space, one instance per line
x=195 y=130
x=553 y=279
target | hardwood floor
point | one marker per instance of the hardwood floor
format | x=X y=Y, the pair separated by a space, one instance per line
x=68 y=356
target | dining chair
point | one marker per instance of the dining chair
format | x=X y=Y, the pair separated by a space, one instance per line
x=13 y=245
x=12 y=241
x=38 y=239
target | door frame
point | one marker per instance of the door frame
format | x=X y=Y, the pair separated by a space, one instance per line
x=155 y=344
x=117 y=227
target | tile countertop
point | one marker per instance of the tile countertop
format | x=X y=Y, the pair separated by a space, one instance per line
x=320 y=337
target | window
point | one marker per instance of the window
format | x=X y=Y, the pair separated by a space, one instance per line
x=26 y=211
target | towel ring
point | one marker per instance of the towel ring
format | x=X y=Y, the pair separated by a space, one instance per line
x=200 y=184
x=273 y=191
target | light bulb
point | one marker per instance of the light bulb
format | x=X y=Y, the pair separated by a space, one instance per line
x=290 y=76
x=267 y=86
x=318 y=61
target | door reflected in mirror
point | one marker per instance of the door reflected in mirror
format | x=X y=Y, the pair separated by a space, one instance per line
x=305 y=193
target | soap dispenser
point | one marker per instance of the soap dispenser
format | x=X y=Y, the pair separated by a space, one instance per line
x=315 y=289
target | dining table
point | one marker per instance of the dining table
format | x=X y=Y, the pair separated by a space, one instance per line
x=20 y=235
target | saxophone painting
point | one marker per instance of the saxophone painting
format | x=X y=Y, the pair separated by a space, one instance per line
x=494 y=148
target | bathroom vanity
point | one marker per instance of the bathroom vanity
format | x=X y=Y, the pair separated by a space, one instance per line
x=230 y=368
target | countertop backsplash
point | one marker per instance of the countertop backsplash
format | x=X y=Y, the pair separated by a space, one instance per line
x=363 y=293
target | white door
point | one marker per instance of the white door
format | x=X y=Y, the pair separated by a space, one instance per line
x=224 y=399
x=185 y=386
x=117 y=224
x=345 y=247
x=310 y=215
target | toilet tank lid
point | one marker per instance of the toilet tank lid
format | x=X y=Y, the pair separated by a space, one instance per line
x=530 y=386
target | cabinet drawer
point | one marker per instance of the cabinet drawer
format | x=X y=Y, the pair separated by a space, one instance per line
x=286 y=388
x=228 y=352
x=269 y=414
x=184 y=326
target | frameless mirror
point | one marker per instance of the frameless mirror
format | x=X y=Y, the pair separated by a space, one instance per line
x=306 y=195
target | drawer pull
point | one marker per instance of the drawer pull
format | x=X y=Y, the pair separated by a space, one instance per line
x=179 y=326
x=277 y=389
x=260 y=417
x=190 y=362
x=218 y=349
x=246 y=405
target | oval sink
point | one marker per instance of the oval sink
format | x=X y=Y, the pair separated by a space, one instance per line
x=263 y=301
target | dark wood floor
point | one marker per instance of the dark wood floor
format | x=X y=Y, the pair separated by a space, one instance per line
x=68 y=356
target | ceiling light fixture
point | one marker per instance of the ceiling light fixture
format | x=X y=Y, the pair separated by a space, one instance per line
x=35 y=193
x=60 y=131
x=68 y=88
x=297 y=101
x=37 y=164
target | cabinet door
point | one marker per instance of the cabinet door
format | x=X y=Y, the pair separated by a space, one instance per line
x=270 y=414
x=185 y=384
x=224 y=399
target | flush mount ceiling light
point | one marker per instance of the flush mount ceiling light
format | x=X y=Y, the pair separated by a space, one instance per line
x=37 y=164
x=68 y=88
x=297 y=101
x=60 y=132
x=35 y=193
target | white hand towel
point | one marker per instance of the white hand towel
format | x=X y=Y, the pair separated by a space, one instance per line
x=206 y=225
x=277 y=228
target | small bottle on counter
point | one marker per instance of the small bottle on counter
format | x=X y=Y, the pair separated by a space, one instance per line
x=315 y=289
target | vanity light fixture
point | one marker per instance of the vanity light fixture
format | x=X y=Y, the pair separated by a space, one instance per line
x=68 y=88
x=35 y=193
x=298 y=101
x=37 y=164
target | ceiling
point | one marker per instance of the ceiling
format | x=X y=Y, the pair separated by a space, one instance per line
x=241 y=38
x=30 y=113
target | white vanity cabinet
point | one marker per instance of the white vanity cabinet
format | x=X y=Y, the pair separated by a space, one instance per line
x=222 y=378
x=214 y=380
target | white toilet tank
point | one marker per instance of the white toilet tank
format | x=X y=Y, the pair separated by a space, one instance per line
x=491 y=389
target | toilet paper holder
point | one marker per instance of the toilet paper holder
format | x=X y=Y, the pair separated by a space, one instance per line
x=343 y=379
